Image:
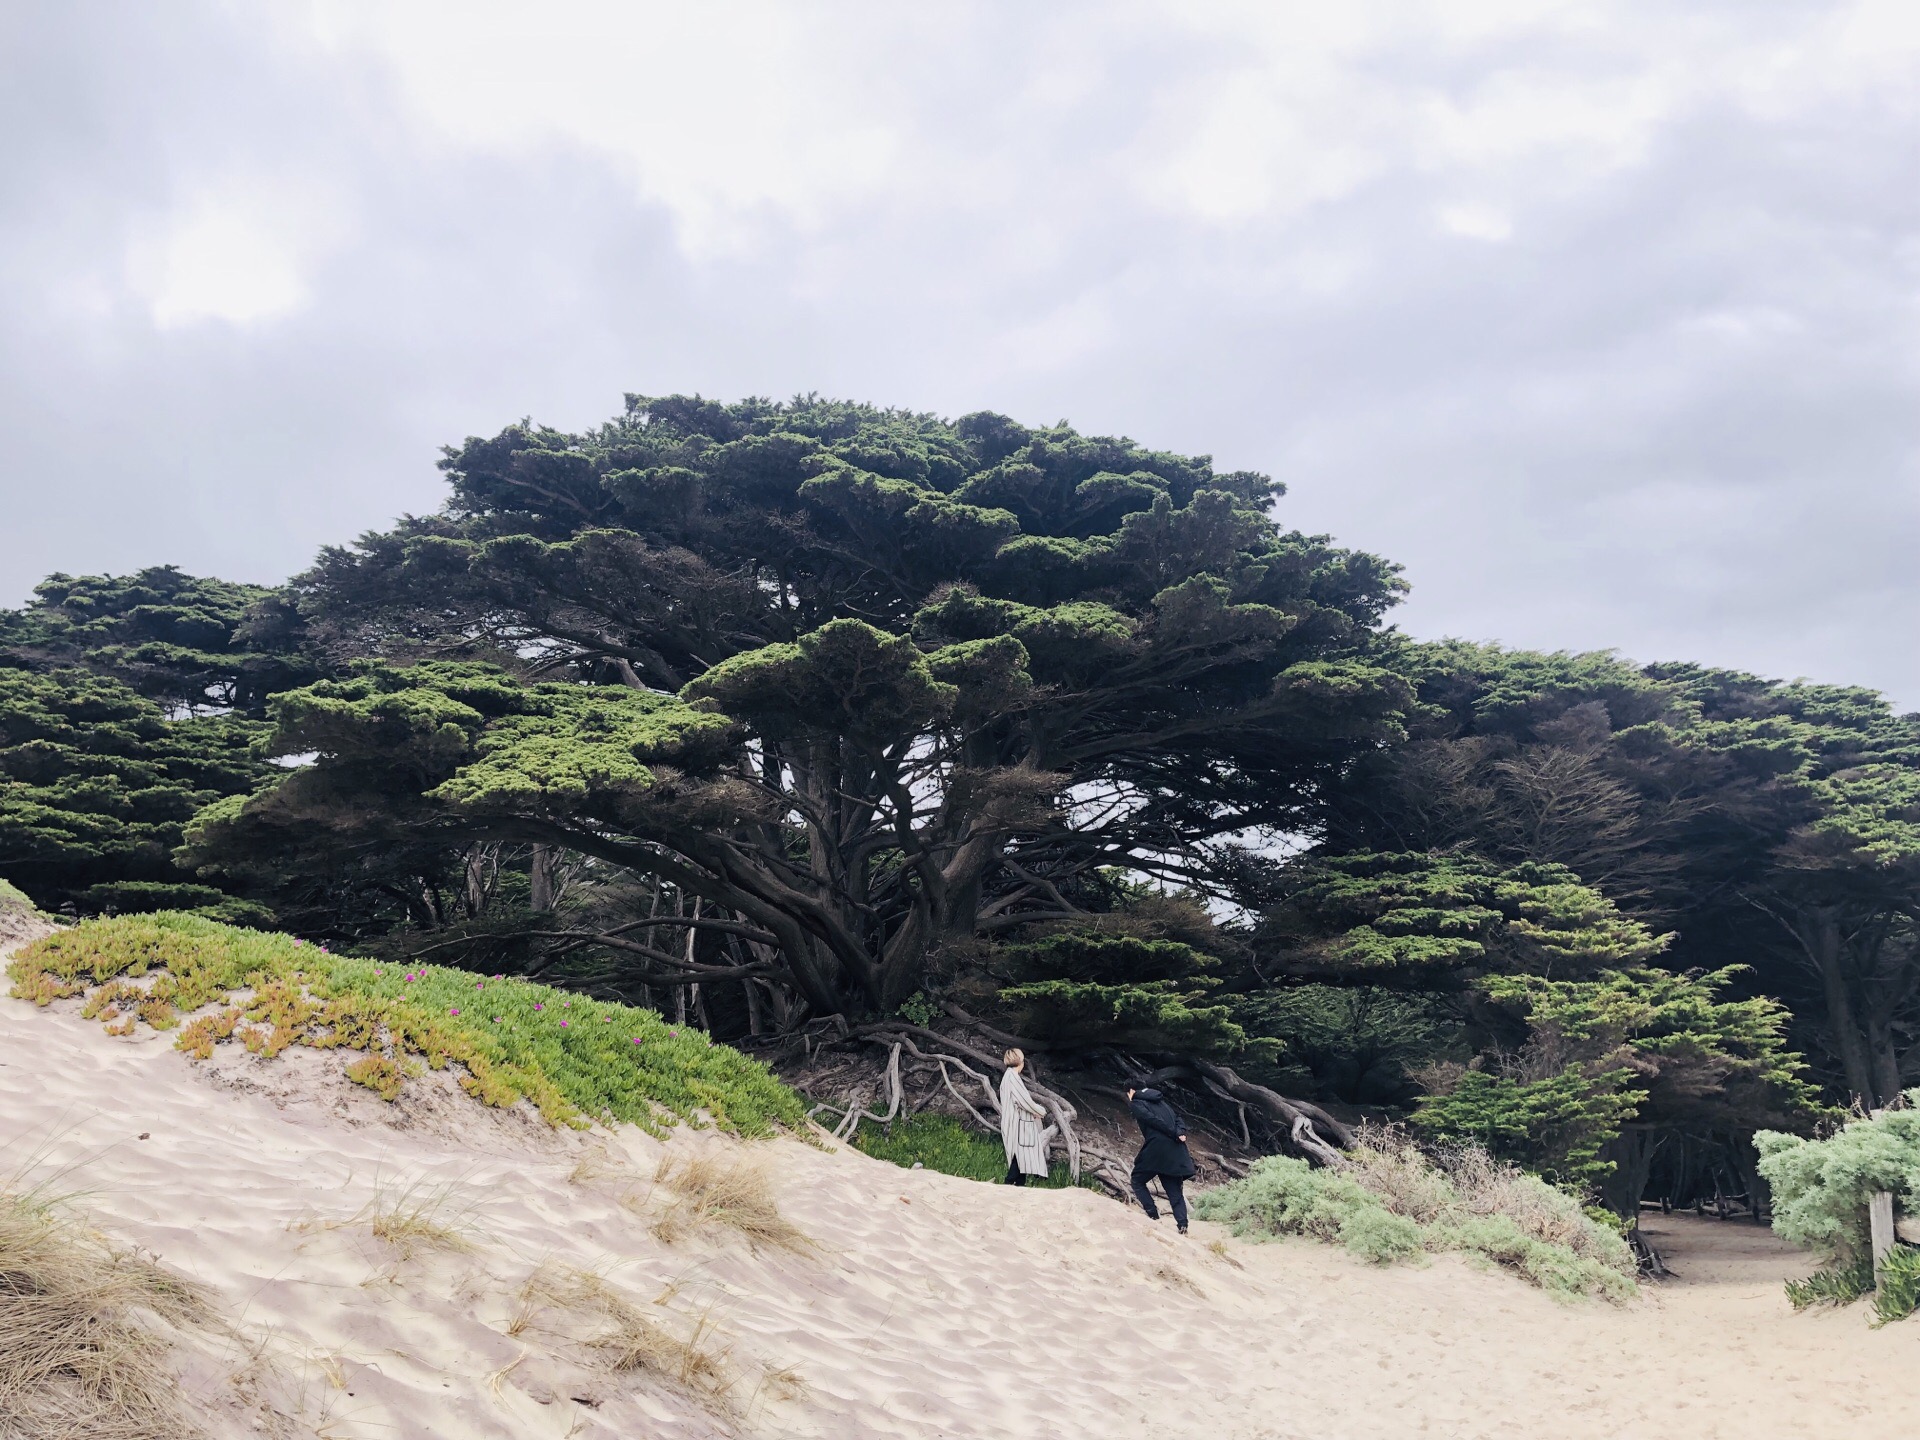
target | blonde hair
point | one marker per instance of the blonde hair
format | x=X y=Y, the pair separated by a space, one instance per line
x=1016 y=1059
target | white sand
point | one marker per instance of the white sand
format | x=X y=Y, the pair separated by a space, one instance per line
x=933 y=1306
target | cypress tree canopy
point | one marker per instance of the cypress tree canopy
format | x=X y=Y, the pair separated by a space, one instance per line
x=187 y=642
x=97 y=785
x=959 y=667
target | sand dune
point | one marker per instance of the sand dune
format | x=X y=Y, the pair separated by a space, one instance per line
x=925 y=1305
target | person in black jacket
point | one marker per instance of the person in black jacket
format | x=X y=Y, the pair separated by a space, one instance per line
x=1164 y=1154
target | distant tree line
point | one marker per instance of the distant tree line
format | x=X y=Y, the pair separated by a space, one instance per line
x=768 y=714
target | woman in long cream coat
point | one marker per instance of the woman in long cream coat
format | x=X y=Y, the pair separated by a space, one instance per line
x=1023 y=1128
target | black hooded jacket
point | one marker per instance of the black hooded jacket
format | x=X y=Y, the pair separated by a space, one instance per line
x=1165 y=1153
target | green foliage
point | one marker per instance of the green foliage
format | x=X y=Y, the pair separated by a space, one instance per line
x=438 y=745
x=381 y=1074
x=1152 y=1016
x=1394 y=1204
x=184 y=641
x=939 y=1142
x=1082 y=988
x=1356 y=1042
x=1897 y=1295
x=909 y=638
x=1367 y=915
x=578 y=1060
x=1644 y=1045
x=97 y=785
x=1556 y=1126
x=1820 y=1187
x=1773 y=824
x=1836 y=1285
x=917 y=1009
x=847 y=676
x=1684 y=1040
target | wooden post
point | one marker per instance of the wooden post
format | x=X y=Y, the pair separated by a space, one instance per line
x=1880 y=1223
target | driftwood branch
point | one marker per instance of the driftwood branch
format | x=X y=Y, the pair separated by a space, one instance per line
x=858 y=1111
x=1310 y=1128
x=1057 y=1106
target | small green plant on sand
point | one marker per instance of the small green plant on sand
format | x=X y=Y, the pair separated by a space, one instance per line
x=381 y=1074
x=917 y=1009
x=578 y=1060
x=1836 y=1285
x=1898 y=1293
x=1393 y=1202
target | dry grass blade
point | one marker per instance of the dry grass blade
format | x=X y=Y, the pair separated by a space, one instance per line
x=713 y=1189
x=625 y=1338
x=82 y=1343
x=600 y=1163
x=418 y=1217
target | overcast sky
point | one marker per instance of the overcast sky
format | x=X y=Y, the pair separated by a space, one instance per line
x=1603 y=319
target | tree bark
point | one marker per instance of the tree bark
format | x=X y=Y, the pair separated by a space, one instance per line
x=1632 y=1152
x=1819 y=935
x=540 y=875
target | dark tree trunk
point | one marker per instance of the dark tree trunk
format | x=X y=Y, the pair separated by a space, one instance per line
x=540 y=875
x=1632 y=1152
x=1820 y=934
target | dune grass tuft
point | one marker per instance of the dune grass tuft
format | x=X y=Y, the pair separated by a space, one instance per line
x=414 y=1218
x=624 y=1337
x=82 y=1331
x=1393 y=1201
x=577 y=1059
x=713 y=1190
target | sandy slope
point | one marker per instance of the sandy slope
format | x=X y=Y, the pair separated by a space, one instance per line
x=931 y=1307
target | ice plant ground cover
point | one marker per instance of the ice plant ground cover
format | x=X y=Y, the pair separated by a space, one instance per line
x=577 y=1059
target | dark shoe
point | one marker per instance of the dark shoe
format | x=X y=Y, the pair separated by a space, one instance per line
x=1183 y=1229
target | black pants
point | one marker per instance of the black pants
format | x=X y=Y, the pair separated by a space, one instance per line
x=1174 y=1185
x=1014 y=1173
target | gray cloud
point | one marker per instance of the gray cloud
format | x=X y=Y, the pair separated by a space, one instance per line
x=1603 y=321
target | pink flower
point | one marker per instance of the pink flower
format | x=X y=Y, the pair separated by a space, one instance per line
x=539 y=1007
x=499 y=977
x=496 y=1019
x=563 y=1024
x=636 y=1039
x=454 y=1011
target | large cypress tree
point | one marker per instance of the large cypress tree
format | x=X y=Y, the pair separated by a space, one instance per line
x=869 y=687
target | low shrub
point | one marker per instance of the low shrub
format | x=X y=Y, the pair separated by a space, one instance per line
x=1393 y=1201
x=939 y=1142
x=1836 y=1285
x=577 y=1059
x=1897 y=1294
x=1820 y=1187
